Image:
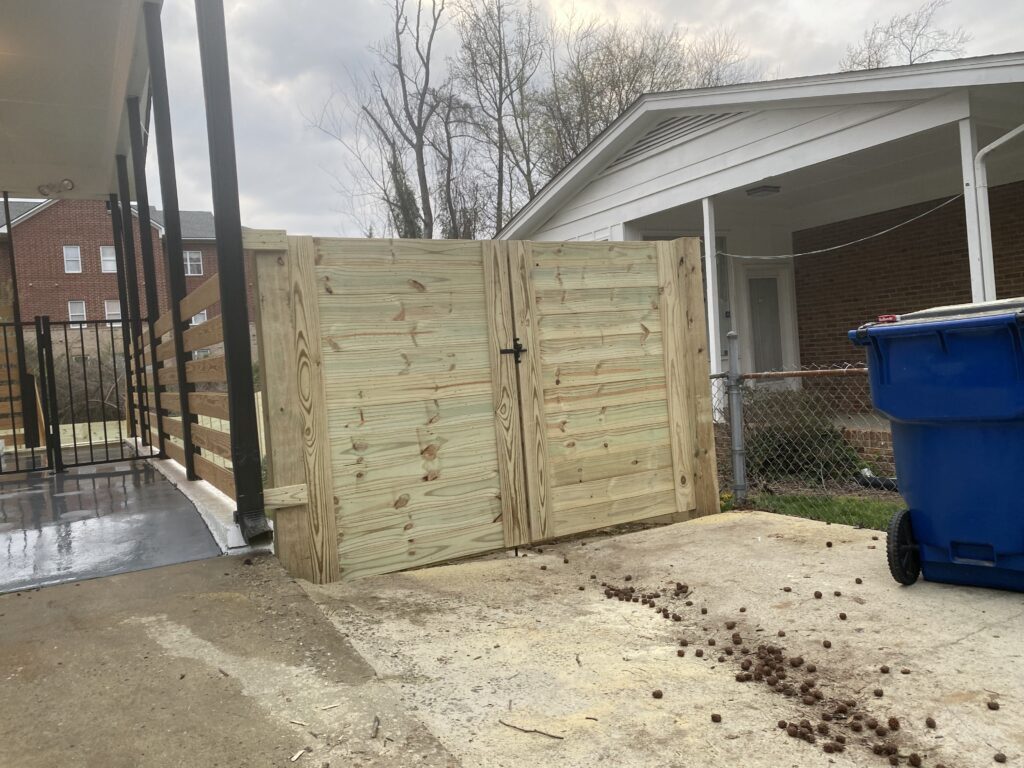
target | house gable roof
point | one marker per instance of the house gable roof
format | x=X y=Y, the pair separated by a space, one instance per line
x=195 y=225
x=655 y=116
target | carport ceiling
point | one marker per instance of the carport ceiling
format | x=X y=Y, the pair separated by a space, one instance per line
x=66 y=67
x=921 y=167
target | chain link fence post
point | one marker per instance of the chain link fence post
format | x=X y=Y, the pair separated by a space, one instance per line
x=739 y=452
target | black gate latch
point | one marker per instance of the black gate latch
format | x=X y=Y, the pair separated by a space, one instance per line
x=517 y=350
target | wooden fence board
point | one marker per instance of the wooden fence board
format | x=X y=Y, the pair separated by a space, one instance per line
x=285 y=465
x=424 y=440
x=694 y=334
x=680 y=428
x=203 y=335
x=203 y=297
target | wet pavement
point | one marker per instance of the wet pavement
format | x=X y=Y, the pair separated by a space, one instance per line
x=94 y=521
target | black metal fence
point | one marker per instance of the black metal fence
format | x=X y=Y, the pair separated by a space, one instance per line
x=806 y=443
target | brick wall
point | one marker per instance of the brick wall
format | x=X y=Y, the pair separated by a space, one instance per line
x=920 y=265
x=45 y=287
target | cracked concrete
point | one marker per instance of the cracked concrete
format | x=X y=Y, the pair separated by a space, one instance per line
x=470 y=645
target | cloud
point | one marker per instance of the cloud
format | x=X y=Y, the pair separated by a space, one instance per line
x=286 y=57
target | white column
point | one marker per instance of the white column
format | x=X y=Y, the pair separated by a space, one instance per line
x=982 y=274
x=711 y=286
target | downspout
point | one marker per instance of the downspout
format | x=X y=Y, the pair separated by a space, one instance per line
x=984 y=218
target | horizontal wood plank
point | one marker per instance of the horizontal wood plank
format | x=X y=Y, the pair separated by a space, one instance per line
x=203 y=297
x=205 y=370
x=219 y=477
x=285 y=496
x=622 y=486
x=203 y=335
x=213 y=440
x=213 y=404
x=616 y=512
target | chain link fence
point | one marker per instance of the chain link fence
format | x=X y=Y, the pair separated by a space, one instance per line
x=810 y=444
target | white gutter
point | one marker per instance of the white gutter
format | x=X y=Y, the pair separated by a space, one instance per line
x=984 y=217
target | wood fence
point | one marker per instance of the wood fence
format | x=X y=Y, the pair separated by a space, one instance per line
x=206 y=401
x=428 y=400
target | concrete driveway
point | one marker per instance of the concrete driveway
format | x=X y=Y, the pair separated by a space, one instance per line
x=525 y=661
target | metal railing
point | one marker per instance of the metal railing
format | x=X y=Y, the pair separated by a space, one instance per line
x=806 y=442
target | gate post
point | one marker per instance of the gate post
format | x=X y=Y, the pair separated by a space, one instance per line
x=739 y=451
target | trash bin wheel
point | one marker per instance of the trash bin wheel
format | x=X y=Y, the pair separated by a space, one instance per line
x=901 y=549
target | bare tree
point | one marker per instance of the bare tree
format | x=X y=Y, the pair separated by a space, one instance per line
x=907 y=38
x=599 y=69
x=501 y=50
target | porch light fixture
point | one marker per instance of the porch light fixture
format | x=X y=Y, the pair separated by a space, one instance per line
x=764 y=190
x=55 y=187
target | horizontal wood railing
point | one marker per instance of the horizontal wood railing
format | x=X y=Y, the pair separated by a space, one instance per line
x=206 y=395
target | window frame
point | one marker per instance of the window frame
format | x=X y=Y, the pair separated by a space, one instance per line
x=113 y=257
x=76 y=322
x=112 y=322
x=199 y=259
x=204 y=314
x=77 y=248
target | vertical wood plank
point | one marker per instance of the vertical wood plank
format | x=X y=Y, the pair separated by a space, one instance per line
x=275 y=334
x=312 y=406
x=697 y=370
x=502 y=331
x=531 y=394
x=676 y=350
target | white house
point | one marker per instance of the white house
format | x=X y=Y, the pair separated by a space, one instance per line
x=896 y=188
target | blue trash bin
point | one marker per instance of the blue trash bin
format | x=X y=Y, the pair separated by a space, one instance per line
x=951 y=381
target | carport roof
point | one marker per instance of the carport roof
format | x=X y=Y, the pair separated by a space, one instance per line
x=66 y=69
x=640 y=120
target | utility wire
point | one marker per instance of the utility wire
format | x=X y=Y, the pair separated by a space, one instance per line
x=845 y=245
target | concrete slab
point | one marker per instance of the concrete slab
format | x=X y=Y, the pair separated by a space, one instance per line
x=209 y=663
x=94 y=521
x=509 y=663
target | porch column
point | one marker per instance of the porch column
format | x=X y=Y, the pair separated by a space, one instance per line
x=138 y=147
x=172 y=221
x=245 y=446
x=983 y=284
x=131 y=276
x=711 y=283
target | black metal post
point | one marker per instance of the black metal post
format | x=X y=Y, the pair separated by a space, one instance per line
x=131 y=275
x=172 y=217
x=122 y=297
x=44 y=340
x=28 y=391
x=245 y=446
x=148 y=263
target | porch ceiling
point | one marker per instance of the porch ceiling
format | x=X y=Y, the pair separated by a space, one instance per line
x=66 y=68
x=925 y=166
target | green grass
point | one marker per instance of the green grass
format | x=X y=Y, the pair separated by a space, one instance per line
x=846 y=510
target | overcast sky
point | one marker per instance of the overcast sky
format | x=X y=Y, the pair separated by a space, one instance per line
x=287 y=56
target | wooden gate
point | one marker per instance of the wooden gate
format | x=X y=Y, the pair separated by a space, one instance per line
x=428 y=400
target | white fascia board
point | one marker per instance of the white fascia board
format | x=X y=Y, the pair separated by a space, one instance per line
x=922 y=117
x=30 y=213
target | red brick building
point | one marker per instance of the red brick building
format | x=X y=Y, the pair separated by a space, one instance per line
x=65 y=257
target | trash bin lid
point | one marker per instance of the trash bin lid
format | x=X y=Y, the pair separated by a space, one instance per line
x=958 y=311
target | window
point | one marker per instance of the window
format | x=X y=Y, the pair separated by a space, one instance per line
x=198 y=319
x=112 y=310
x=76 y=311
x=193 y=263
x=108 y=260
x=72 y=259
